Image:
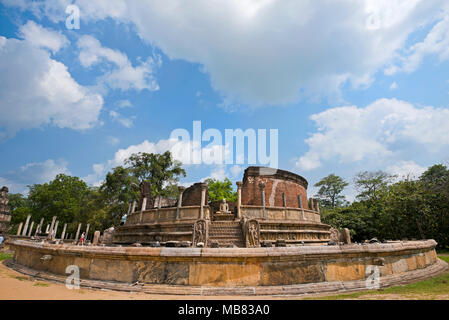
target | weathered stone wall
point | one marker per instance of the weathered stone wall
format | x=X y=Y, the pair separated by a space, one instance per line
x=260 y=268
x=192 y=196
x=5 y=216
x=279 y=184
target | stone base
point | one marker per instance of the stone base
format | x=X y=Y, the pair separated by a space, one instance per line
x=334 y=287
x=275 y=270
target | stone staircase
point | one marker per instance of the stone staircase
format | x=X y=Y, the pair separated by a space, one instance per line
x=226 y=233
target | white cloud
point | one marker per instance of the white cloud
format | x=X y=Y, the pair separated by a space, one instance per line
x=384 y=130
x=123 y=104
x=96 y=178
x=270 y=52
x=35 y=172
x=113 y=140
x=124 y=121
x=406 y=169
x=37 y=90
x=436 y=43
x=41 y=37
x=124 y=76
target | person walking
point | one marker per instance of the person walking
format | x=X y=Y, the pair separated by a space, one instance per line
x=82 y=239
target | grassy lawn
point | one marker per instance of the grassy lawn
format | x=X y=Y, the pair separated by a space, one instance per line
x=4 y=256
x=435 y=288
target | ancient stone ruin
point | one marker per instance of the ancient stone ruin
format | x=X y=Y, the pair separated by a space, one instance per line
x=5 y=215
x=272 y=209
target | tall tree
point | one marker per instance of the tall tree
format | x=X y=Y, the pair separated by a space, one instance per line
x=330 y=191
x=219 y=190
x=369 y=184
x=161 y=170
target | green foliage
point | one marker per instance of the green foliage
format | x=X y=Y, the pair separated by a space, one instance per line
x=330 y=191
x=219 y=190
x=159 y=169
x=73 y=202
x=407 y=209
x=369 y=184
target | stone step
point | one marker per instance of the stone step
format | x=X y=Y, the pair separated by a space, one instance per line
x=225 y=233
x=232 y=223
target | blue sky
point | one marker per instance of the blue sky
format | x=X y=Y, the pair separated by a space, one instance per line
x=350 y=86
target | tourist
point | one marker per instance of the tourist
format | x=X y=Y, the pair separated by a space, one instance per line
x=82 y=239
x=1 y=239
x=123 y=219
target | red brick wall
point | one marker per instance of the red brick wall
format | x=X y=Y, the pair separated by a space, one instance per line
x=281 y=182
x=251 y=193
x=192 y=196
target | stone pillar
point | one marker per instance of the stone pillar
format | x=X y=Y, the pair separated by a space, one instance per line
x=144 y=204
x=133 y=208
x=63 y=231
x=301 y=206
x=317 y=204
x=53 y=220
x=77 y=233
x=178 y=209
x=87 y=232
x=203 y=199
x=96 y=237
x=159 y=201
x=31 y=229
x=25 y=228
x=56 y=228
x=19 y=229
x=129 y=208
x=262 y=196
x=48 y=227
x=239 y=199
x=40 y=225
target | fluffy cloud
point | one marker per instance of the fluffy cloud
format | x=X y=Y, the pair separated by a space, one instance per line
x=436 y=43
x=124 y=76
x=31 y=173
x=41 y=37
x=406 y=169
x=37 y=90
x=124 y=121
x=386 y=131
x=271 y=52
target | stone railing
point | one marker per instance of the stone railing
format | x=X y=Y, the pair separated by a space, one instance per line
x=166 y=215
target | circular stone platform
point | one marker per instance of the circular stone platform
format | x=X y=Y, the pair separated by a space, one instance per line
x=233 y=271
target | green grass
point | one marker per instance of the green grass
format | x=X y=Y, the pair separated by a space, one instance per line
x=426 y=289
x=4 y=256
x=41 y=284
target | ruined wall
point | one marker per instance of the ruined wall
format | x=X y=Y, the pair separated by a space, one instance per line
x=152 y=201
x=192 y=195
x=279 y=184
x=5 y=216
x=258 y=270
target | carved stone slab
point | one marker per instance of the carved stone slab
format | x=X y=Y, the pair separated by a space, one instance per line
x=252 y=234
x=200 y=233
